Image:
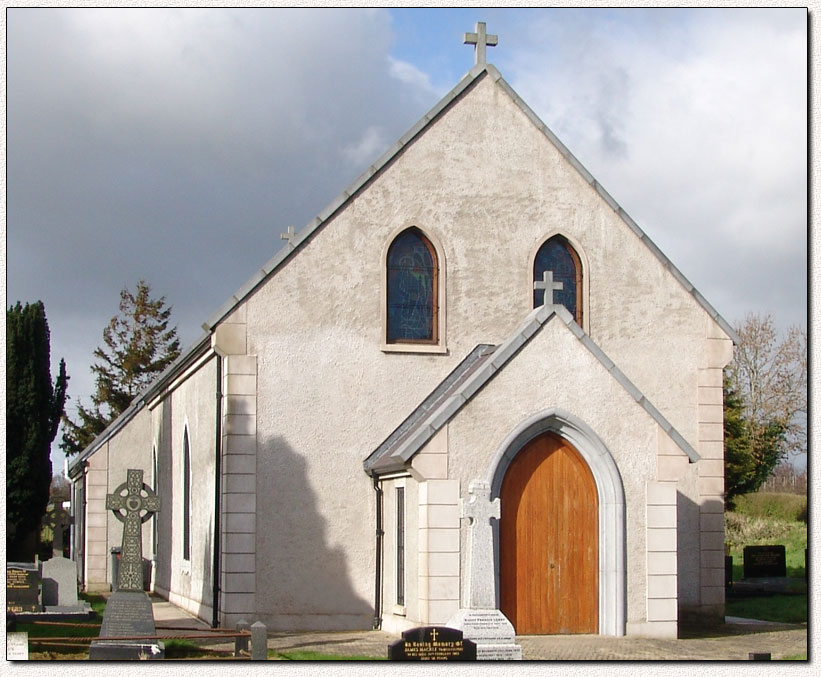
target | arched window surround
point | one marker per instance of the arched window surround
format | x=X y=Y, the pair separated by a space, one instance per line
x=585 y=273
x=440 y=345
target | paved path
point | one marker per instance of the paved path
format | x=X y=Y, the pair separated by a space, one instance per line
x=734 y=642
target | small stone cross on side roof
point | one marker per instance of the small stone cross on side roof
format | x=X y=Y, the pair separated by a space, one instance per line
x=290 y=235
x=481 y=40
x=549 y=286
x=138 y=508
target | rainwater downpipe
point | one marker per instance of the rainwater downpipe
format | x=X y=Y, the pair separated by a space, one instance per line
x=377 y=602
x=217 y=503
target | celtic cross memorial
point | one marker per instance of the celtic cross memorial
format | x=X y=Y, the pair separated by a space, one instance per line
x=133 y=503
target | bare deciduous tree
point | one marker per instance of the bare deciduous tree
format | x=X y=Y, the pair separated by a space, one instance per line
x=770 y=377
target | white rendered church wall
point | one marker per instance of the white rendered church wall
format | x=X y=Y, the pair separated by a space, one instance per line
x=130 y=448
x=487 y=185
x=97 y=577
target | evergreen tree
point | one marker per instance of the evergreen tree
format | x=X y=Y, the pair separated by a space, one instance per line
x=751 y=452
x=138 y=347
x=33 y=409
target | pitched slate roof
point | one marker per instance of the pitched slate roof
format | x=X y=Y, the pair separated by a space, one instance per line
x=475 y=371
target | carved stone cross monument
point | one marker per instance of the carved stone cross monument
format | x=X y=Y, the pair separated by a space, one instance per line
x=549 y=286
x=481 y=40
x=481 y=621
x=139 y=503
x=56 y=520
x=478 y=510
x=128 y=631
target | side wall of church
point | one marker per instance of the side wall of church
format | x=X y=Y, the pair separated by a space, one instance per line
x=487 y=185
x=190 y=408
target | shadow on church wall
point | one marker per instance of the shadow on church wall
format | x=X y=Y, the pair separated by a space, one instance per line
x=689 y=517
x=206 y=594
x=165 y=490
x=302 y=581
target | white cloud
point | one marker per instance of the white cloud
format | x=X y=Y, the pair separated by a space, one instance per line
x=409 y=74
x=698 y=129
x=370 y=146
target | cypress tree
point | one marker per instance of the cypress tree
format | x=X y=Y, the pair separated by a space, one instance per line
x=34 y=407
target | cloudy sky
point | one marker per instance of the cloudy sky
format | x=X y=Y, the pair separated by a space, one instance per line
x=176 y=145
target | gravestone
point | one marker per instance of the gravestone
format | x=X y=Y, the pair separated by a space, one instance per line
x=128 y=630
x=435 y=643
x=60 y=574
x=765 y=561
x=482 y=622
x=22 y=588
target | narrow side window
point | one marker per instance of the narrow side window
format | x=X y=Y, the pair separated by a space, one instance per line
x=400 y=545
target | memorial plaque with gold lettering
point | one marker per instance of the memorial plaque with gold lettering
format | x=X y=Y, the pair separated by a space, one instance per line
x=765 y=561
x=434 y=643
x=22 y=588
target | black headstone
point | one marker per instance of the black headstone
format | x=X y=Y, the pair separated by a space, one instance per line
x=433 y=643
x=765 y=561
x=728 y=571
x=22 y=588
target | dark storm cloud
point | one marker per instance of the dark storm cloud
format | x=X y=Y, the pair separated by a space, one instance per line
x=176 y=146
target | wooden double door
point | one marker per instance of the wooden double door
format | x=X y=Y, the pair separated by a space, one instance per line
x=548 y=540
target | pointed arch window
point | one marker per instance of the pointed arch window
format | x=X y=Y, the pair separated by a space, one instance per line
x=186 y=498
x=557 y=255
x=412 y=289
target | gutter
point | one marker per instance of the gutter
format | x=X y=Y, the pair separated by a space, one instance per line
x=217 y=496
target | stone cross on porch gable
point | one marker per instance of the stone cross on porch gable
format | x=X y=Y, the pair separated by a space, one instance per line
x=548 y=285
x=56 y=520
x=479 y=509
x=481 y=40
x=139 y=503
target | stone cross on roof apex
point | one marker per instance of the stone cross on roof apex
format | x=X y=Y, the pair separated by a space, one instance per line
x=480 y=39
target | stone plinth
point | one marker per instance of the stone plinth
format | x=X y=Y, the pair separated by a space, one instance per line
x=128 y=623
x=491 y=631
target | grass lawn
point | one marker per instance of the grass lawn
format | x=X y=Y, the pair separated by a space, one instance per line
x=774 y=608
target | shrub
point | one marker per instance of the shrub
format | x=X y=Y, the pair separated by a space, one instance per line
x=766 y=505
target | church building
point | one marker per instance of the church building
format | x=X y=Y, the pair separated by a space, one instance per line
x=472 y=380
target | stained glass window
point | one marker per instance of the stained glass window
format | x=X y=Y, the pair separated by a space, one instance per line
x=412 y=289
x=558 y=256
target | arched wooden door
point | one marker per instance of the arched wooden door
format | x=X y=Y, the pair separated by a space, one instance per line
x=548 y=540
